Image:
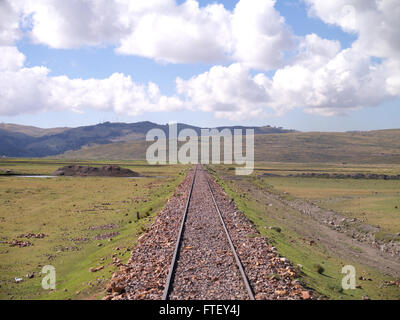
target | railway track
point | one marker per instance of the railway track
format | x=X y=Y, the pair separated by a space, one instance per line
x=201 y=247
x=195 y=250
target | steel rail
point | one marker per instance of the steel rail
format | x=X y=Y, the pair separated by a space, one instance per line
x=238 y=262
x=178 y=243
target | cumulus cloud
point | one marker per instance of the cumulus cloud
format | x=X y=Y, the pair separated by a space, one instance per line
x=117 y=93
x=11 y=58
x=346 y=82
x=253 y=33
x=320 y=76
x=30 y=90
x=315 y=52
x=392 y=68
x=71 y=24
x=376 y=23
x=23 y=91
x=230 y=92
x=322 y=79
x=158 y=29
x=260 y=34
x=9 y=24
x=181 y=34
x=68 y=24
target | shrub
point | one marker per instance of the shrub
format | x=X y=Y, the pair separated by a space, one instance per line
x=318 y=268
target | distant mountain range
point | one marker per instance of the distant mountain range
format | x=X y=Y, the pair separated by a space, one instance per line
x=28 y=141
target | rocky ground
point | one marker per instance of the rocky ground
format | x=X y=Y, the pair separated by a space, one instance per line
x=271 y=276
x=145 y=274
x=205 y=269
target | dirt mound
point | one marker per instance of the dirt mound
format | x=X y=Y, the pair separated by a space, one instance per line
x=105 y=171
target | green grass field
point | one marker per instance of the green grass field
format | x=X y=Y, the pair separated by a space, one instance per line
x=372 y=201
x=375 y=202
x=282 y=168
x=47 y=165
x=72 y=212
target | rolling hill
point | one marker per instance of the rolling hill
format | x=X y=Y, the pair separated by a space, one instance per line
x=117 y=141
x=30 y=130
x=354 y=147
x=27 y=141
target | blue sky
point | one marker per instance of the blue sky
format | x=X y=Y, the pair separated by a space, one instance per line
x=100 y=61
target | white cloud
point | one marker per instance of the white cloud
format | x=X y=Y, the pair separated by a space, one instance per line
x=30 y=90
x=376 y=22
x=182 y=34
x=11 y=58
x=320 y=77
x=254 y=33
x=228 y=91
x=72 y=24
x=64 y=24
x=23 y=91
x=315 y=52
x=392 y=68
x=117 y=93
x=322 y=80
x=260 y=34
x=346 y=82
x=9 y=24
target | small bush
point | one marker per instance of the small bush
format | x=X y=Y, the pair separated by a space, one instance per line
x=277 y=229
x=318 y=268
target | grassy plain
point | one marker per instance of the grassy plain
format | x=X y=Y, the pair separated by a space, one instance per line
x=285 y=227
x=286 y=168
x=71 y=210
x=78 y=216
x=373 y=201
